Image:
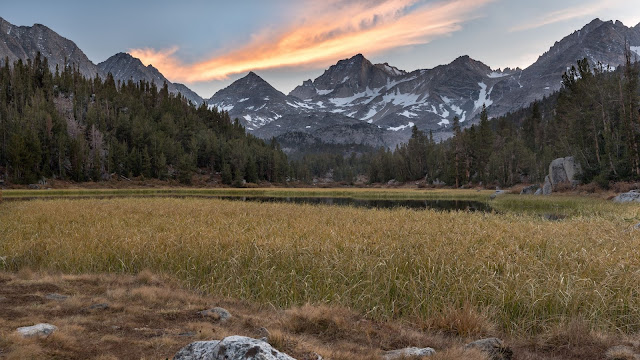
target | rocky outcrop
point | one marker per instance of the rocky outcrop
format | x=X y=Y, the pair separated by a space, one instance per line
x=561 y=171
x=38 y=330
x=530 y=190
x=409 y=352
x=493 y=347
x=631 y=196
x=564 y=170
x=232 y=347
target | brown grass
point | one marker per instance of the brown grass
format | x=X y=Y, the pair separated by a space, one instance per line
x=139 y=325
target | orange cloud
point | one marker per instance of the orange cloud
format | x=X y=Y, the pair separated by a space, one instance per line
x=330 y=30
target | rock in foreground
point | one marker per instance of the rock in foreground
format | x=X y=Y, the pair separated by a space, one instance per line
x=232 y=347
x=218 y=312
x=408 y=352
x=38 y=330
x=631 y=196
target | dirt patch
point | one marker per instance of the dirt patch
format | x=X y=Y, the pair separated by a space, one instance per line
x=145 y=316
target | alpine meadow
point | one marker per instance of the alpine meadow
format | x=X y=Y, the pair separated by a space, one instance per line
x=402 y=201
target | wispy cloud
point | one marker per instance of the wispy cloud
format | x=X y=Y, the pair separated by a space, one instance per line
x=571 y=13
x=325 y=31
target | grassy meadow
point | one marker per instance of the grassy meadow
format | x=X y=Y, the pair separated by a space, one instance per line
x=519 y=273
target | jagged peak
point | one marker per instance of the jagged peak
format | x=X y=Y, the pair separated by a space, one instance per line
x=251 y=76
x=466 y=60
x=356 y=59
x=390 y=69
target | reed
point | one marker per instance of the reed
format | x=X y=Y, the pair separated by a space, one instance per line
x=526 y=274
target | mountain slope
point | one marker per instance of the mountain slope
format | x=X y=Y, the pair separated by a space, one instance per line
x=354 y=90
x=599 y=42
x=24 y=42
x=395 y=100
x=124 y=67
x=255 y=102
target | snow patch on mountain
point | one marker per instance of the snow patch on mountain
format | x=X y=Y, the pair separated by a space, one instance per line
x=496 y=75
x=368 y=93
x=401 y=127
x=409 y=114
x=483 y=97
x=397 y=98
x=222 y=107
x=635 y=49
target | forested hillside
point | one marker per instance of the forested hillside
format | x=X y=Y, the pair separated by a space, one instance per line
x=594 y=117
x=66 y=126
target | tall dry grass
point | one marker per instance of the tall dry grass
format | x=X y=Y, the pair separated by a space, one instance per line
x=521 y=272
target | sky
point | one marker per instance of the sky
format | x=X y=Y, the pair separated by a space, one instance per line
x=209 y=44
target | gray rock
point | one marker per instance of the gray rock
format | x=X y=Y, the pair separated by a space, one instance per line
x=538 y=192
x=496 y=194
x=493 y=347
x=38 y=330
x=101 y=306
x=547 y=188
x=232 y=347
x=57 y=297
x=572 y=169
x=631 y=196
x=530 y=190
x=564 y=170
x=34 y=187
x=407 y=352
x=219 y=312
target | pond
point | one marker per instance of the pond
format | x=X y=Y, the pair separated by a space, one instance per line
x=442 y=205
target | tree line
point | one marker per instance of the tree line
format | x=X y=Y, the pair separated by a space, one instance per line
x=61 y=124
x=594 y=117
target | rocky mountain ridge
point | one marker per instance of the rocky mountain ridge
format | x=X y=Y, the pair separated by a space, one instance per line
x=24 y=42
x=124 y=67
x=394 y=101
x=374 y=104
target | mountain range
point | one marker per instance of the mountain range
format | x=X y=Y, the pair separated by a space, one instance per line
x=356 y=101
x=24 y=42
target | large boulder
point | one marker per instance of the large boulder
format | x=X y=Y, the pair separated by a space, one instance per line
x=631 y=196
x=564 y=170
x=231 y=347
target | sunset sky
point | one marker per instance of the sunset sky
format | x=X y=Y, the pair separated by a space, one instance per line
x=209 y=44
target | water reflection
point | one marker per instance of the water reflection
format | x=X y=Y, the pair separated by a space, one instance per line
x=442 y=205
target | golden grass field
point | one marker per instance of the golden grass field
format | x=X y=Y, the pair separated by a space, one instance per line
x=514 y=272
